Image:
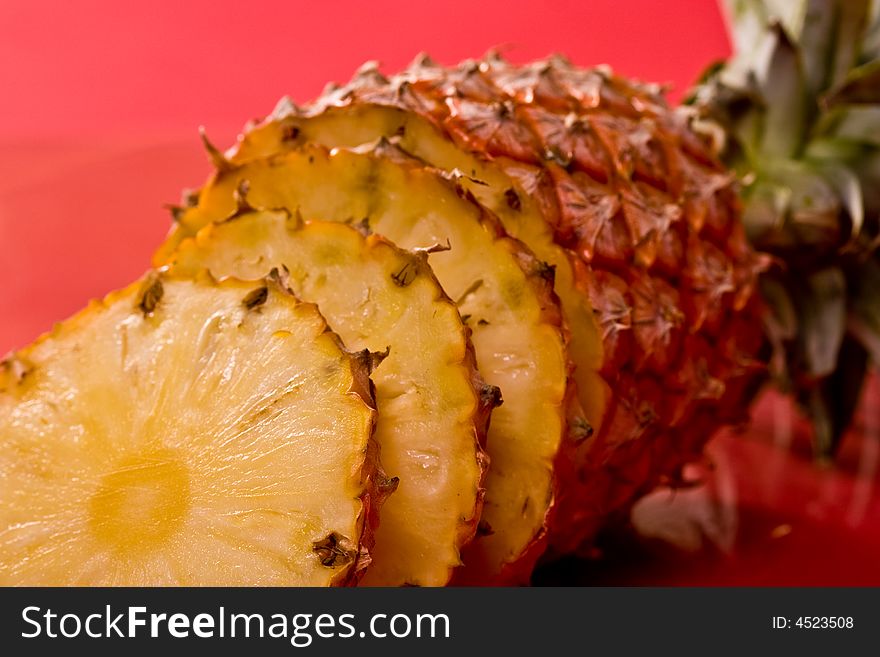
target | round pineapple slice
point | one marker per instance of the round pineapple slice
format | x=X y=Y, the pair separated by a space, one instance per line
x=187 y=433
x=501 y=289
x=433 y=407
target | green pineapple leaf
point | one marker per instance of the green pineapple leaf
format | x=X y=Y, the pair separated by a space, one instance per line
x=848 y=190
x=864 y=321
x=821 y=303
x=832 y=403
x=861 y=86
x=780 y=79
x=797 y=113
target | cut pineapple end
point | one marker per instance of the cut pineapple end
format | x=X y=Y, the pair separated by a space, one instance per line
x=379 y=297
x=186 y=433
x=494 y=280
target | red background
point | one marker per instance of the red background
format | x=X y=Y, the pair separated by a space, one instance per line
x=102 y=101
x=98 y=128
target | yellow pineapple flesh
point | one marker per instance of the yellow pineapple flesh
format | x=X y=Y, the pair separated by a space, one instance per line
x=433 y=407
x=500 y=288
x=187 y=433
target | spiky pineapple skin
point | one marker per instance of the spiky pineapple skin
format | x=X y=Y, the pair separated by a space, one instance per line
x=652 y=223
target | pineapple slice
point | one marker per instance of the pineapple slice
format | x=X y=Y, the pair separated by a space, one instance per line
x=187 y=433
x=507 y=191
x=500 y=287
x=433 y=407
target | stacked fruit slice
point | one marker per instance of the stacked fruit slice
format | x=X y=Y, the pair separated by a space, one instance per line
x=610 y=188
x=501 y=289
x=434 y=407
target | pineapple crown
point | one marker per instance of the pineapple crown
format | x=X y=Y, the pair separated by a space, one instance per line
x=796 y=113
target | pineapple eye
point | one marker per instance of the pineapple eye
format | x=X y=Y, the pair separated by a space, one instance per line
x=334 y=551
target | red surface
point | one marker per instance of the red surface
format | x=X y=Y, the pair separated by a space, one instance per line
x=766 y=514
x=99 y=116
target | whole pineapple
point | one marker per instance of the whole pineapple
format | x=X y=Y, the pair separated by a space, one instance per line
x=796 y=113
x=625 y=199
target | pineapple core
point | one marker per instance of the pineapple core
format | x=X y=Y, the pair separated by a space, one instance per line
x=142 y=502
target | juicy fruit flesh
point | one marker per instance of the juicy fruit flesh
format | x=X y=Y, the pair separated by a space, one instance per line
x=517 y=350
x=142 y=502
x=379 y=297
x=177 y=437
x=350 y=127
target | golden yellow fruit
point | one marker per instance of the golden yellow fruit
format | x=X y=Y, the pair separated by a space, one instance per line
x=188 y=433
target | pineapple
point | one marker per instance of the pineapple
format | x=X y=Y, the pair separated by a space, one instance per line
x=613 y=189
x=433 y=407
x=593 y=243
x=502 y=291
x=120 y=467
x=796 y=113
